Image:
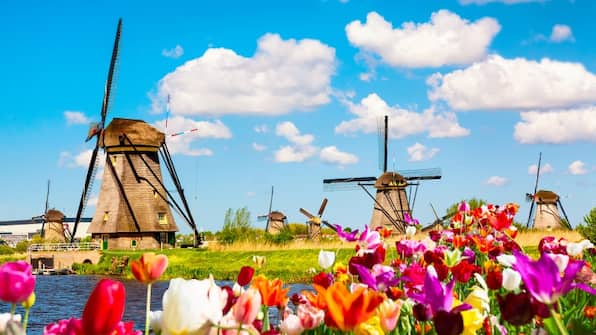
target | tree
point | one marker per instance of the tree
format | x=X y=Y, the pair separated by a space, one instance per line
x=589 y=229
x=236 y=226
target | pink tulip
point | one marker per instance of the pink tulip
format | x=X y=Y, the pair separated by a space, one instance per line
x=149 y=267
x=310 y=316
x=389 y=313
x=16 y=282
x=247 y=307
x=291 y=325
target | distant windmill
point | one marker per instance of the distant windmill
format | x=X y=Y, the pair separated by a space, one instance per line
x=314 y=221
x=393 y=197
x=547 y=205
x=276 y=220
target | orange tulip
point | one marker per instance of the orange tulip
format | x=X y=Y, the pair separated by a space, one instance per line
x=149 y=267
x=345 y=309
x=316 y=300
x=272 y=291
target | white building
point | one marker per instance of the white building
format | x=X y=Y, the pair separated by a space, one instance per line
x=18 y=230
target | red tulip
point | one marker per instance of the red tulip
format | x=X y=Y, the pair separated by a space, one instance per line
x=16 y=282
x=149 y=267
x=104 y=308
x=245 y=275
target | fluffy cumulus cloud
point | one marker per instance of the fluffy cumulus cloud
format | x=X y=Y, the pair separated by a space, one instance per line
x=332 y=155
x=446 y=39
x=419 y=152
x=499 y=83
x=561 y=33
x=181 y=144
x=544 y=169
x=282 y=76
x=402 y=122
x=557 y=126
x=497 y=181
x=300 y=148
x=175 y=52
x=258 y=147
x=75 y=117
x=80 y=160
x=577 y=168
x=507 y=2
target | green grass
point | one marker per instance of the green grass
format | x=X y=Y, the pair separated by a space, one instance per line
x=290 y=265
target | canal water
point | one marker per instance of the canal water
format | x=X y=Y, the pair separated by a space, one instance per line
x=60 y=297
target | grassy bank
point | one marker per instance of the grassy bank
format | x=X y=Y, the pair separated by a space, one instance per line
x=292 y=262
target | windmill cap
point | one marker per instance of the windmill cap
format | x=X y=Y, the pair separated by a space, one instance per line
x=390 y=179
x=140 y=133
x=54 y=215
x=546 y=196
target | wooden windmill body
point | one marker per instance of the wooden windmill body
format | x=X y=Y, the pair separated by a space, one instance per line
x=393 y=198
x=276 y=223
x=314 y=222
x=54 y=226
x=129 y=212
x=134 y=207
x=547 y=215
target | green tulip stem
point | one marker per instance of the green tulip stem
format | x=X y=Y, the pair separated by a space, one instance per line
x=266 y=325
x=148 y=310
x=422 y=328
x=557 y=318
x=26 y=319
x=13 y=308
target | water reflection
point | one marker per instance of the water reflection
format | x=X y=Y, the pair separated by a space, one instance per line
x=60 y=297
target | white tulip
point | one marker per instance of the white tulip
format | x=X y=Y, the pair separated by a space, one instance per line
x=575 y=249
x=560 y=260
x=155 y=321
x=326 y=259
x=291 y=325
x=511 y=279
x=410 y=232
x=192 y=306
x=4 y=318
x=506 y=260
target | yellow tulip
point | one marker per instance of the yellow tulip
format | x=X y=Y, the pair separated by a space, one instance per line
x=371 y=327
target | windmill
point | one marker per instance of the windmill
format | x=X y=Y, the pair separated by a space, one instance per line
x=276 y=220
x=393 y=197
x=52 y=222
x=134 y=208
x=547 y=205
x=314 y=222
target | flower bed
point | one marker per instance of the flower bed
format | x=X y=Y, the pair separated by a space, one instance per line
x=472 y=278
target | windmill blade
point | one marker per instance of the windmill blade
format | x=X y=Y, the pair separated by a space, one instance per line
x=530 y=214
x=104 y=111
x=322 y=208
x=306 y=213
x=537 y=173
x=421 y=174
x=47 y=198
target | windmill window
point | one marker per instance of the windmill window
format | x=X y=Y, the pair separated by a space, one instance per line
x=114 y=159
x=133 y=243
x=154 y=194
x=105 y=217
x=162 y=218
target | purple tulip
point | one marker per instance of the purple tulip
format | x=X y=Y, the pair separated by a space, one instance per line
x=437 y=296
x=379 y=278
x=407 y=248
x=16 y=282
x=346 y=235
x=410 y=221
x=543 y=279
x=369 y=240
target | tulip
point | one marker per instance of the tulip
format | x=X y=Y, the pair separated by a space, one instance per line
x=247 y=307
x=372 y=326
x=149 y=267
x=346 y=235
x=410 y=232
x=155 y=321
x=191 y=306
x=16 y=282
x=27 y=304
x=389 y=314
x=516 y=308
x=511 y=279
x=576 y=249
x=272 y=292
x=291 y=325
x=5 y=317
x=326 y=259
x=258 y=260
x=104 y=308
x=245 y=275
x=310 y=316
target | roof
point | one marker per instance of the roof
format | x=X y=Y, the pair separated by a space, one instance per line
x=277 y=216
x=139 y=132
x=390 y=179
x=54 y=215
x=546 y=196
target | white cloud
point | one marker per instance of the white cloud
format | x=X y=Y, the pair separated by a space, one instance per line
x=544 y=169
x=204 y=129
x=261 y=129
x=402 y=122
x=258 y=147
x=577 y=168
x=250 y=194
x=332 y=155
x=419 y=152
x=282 y=76
x=75 y=117
x=557 y=126
x=175 y=52
x=507 y=2
x=561 y=33
x=497 y=181
x=92 y=202
x=80 y=160
x=499 y=83
x=301 y=148
x=446 y=40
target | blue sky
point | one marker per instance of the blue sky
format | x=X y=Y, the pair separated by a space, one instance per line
x=289 y=93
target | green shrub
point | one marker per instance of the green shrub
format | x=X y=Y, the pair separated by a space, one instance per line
x=589 y=229
x=283 y=237
x=22 y=246
x=6 y=250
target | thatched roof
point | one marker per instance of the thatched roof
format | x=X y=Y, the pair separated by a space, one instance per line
x=139 y=132
x=546 y=196
x=54 y=215
x=277 y=216
x=390 y=179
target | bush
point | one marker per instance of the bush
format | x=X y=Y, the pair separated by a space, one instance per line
x=6 y=250
x=22 y=246
x=236 y=226
x=283 y=237
x=589 y=230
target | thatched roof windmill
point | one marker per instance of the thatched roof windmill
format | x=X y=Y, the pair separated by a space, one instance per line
x=134 y=206
x=394 y=195
x=314 y=221
x=547 y=205
x=276 y=220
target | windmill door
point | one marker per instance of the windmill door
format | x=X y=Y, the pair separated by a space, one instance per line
x=104 y=242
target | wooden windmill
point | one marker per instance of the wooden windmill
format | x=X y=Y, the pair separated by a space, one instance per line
x=393 y=198
x=134 y=206
x=314 y=221
x=547 y=205
x=276 y=220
